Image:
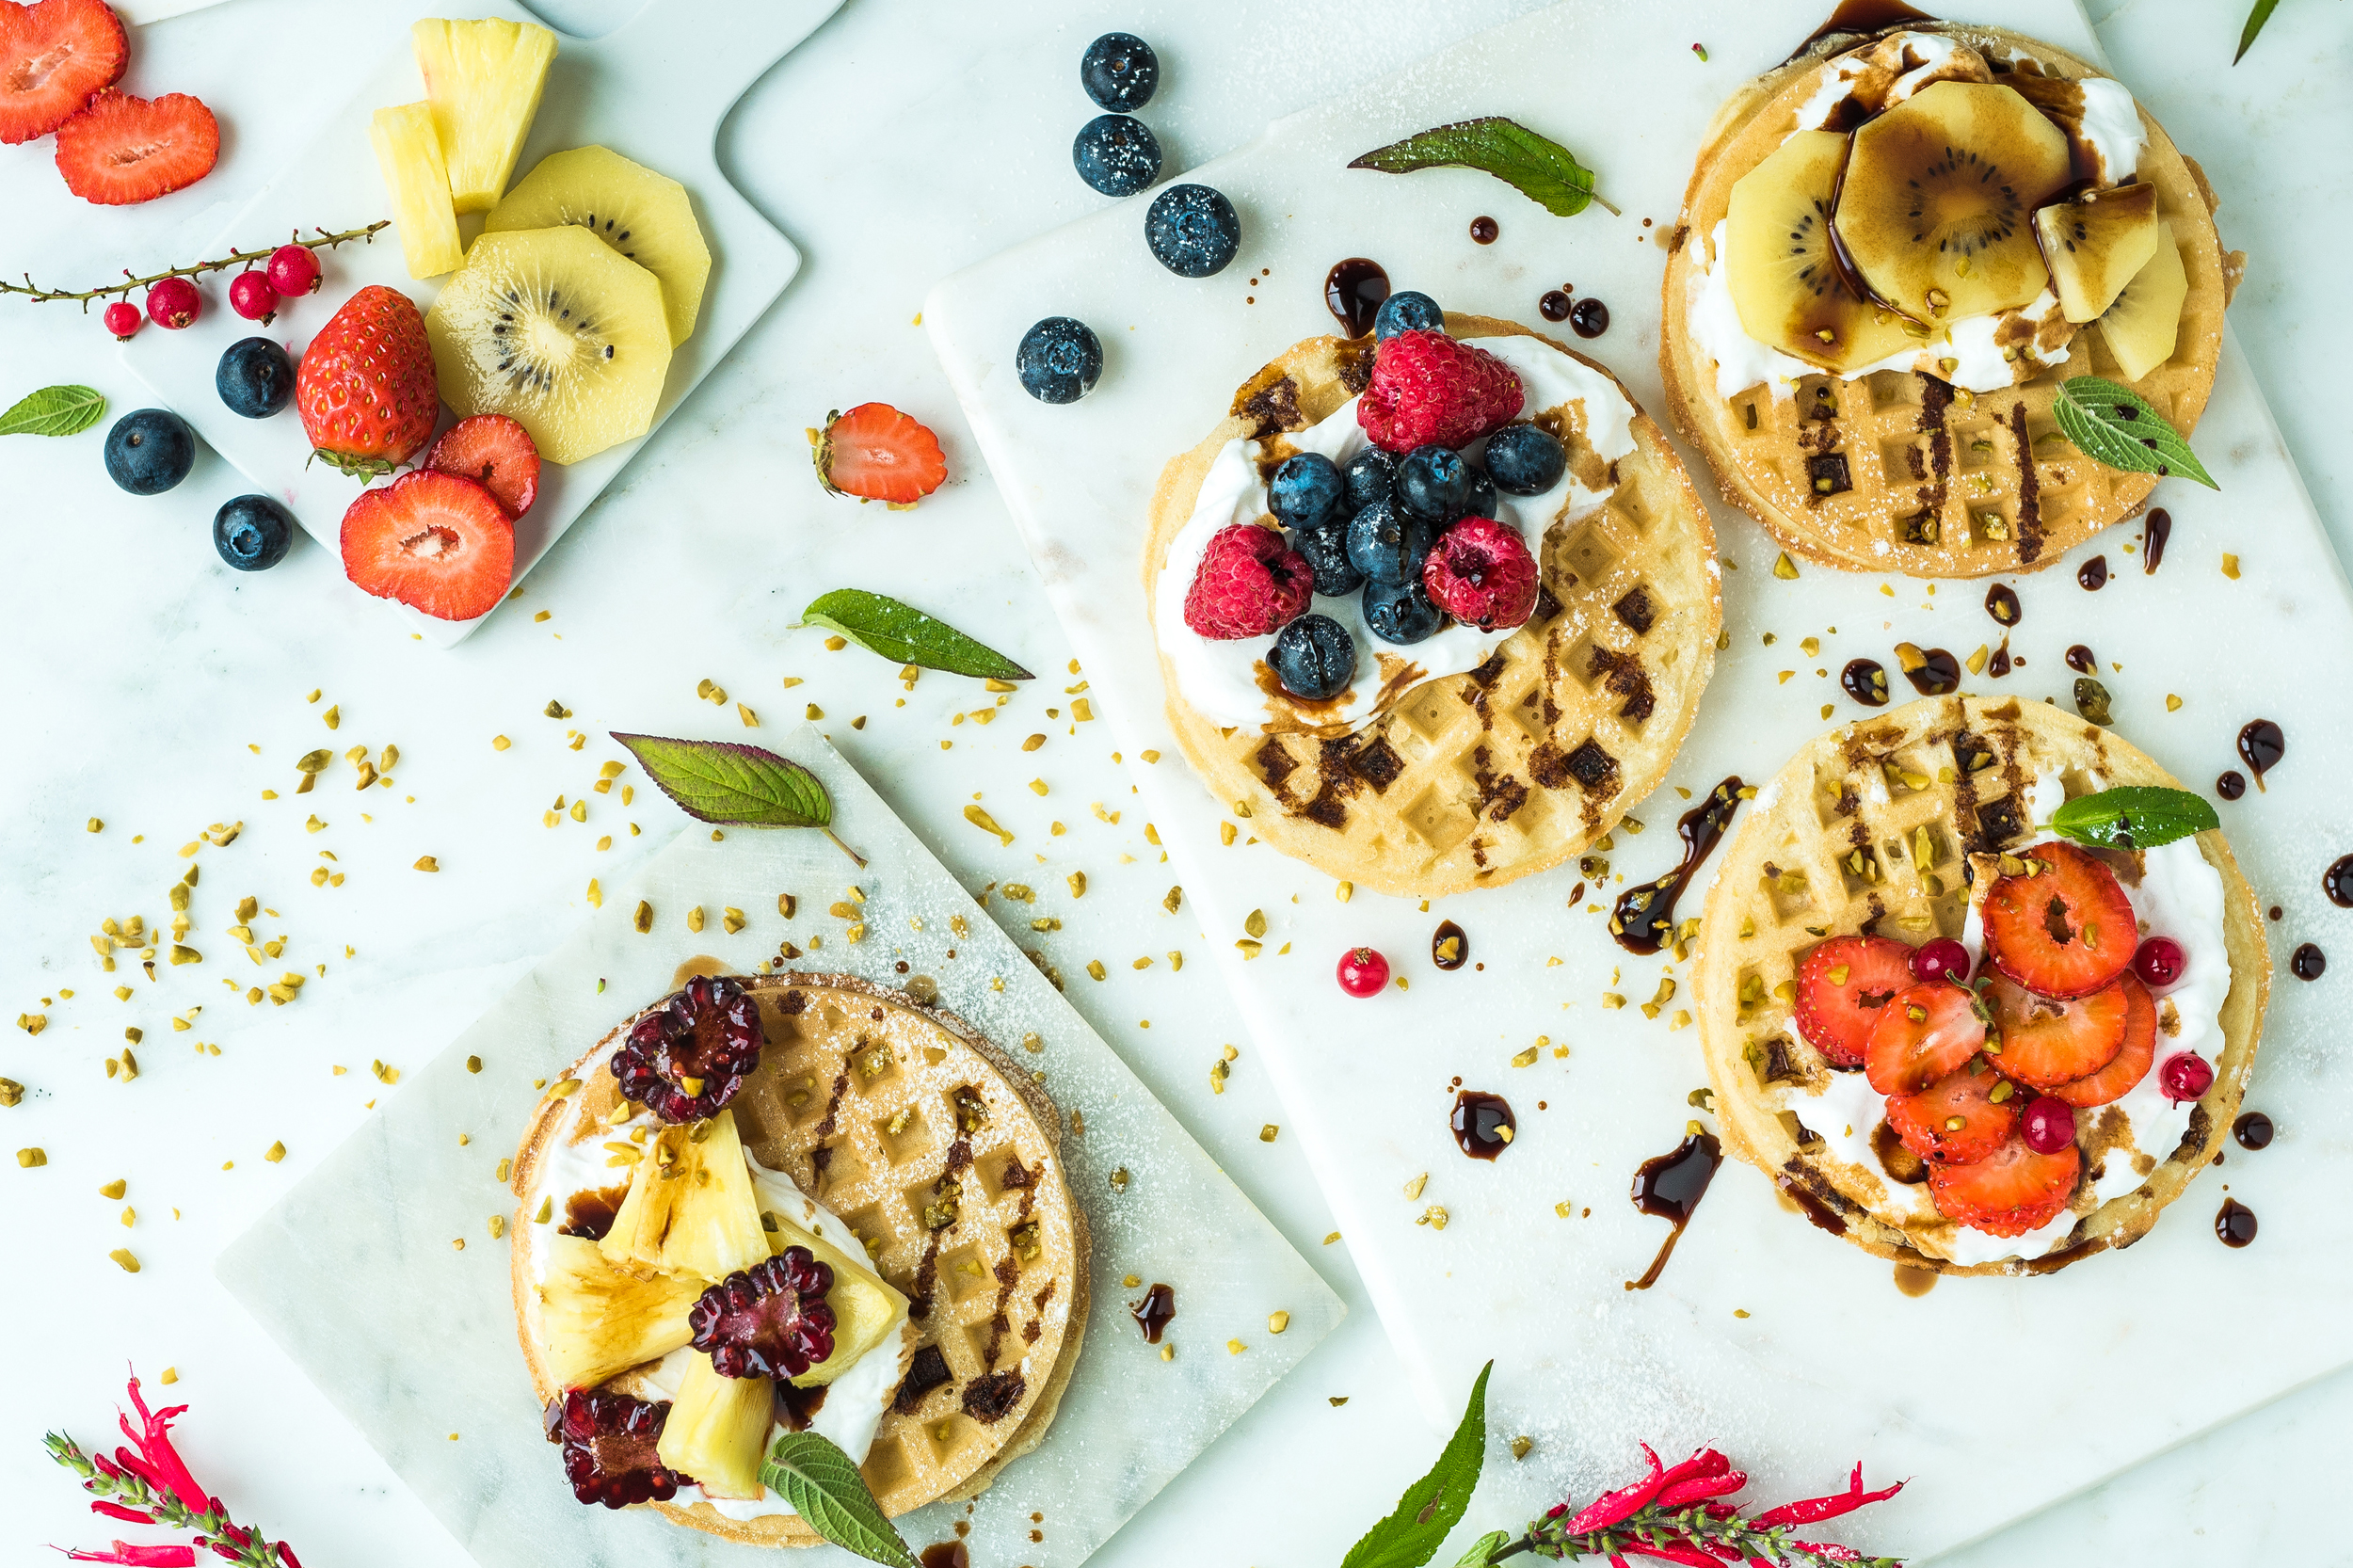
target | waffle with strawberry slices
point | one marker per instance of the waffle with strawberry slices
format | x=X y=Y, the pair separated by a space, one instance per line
x=1910 y=990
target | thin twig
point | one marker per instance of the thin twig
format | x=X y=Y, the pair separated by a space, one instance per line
x=40 y=295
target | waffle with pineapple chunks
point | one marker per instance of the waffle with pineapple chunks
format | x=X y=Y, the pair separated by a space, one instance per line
x=903 y=1142
x=1849 y=426
x=1896 y=832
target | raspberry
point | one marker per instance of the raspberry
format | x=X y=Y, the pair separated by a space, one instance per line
x=609 y=1444
x=1482 y=574
x=685 y=1059
x=1250 y=584
x=1426 y=389
x=770 y=1320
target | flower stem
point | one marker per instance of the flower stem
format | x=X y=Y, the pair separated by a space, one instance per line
x=845 y=849
x=40 y=295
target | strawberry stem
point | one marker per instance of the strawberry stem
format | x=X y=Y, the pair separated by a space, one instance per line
x=40 y=295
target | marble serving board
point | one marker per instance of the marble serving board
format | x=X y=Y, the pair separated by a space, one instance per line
x=1782 y=1344
x=356 y=1272
x=651 y=89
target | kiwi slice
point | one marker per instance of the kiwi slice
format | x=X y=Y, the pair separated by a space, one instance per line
x=645 y=217
x=559 y=331
x=2095 y=244
x=1784 y=283
x=2144 y=324
x=1934 y=210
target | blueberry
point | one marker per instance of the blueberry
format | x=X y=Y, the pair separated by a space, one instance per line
x=1482 y=497
x=1400 y=612
x=1059 y=359
x=1305 y=490
x=1388 y=545
x=1326 y=546
x=1434 y=483
x=1525 y=459
x=255 y=378
x=150 y=451
x=1116 y=154
x=1313 y=657
x=1410 y=312
x=252 y=533
x=1371 y=474
x=1119 y=72
x=1192 y=230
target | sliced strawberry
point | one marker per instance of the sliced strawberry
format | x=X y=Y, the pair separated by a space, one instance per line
x=2066 y=929
x=435 y=541
x=2130 y=1064
x=1927 y=1121
x=52 y=57
x=876 y=453
x=1922 y=1034
x=2008 y=1193
x=122 y=149
x=495 y=452
x=2046 y=1043
x=1843 y=986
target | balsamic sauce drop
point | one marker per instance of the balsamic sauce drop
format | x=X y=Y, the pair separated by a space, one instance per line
x=2261 y=745
x=2253 y=1131
x=1865 y=680
x=1814 y=1209
x=1938 y=674
x=2308 y=962
x=796 y=1408
x=1154 y=1312
x=2079 y=659
x=1590 y=317
x=590 y=1215
x=1484 y=1124
x=1554 y=305
x=1644 y=917
x=2337 y=882
x=946 y=1554
x=1450 y=947
x=1998 y=665
x=2236 y=1224
x=1864 y=17
x=2001 y=602
x=1353 y=291
x=1913 y=1281
x=1669 y=1187
x=2230 y=784
x=1483 y=231
x=2156 y=529
x=2093 y=574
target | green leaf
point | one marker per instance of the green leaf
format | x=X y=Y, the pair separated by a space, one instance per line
x=2114 y=426
x=2255 y=19
x=2134 y=816
x=1482 y=1551
x=733 y=785
x=1434 y=1505
x=809 y=1472
x=1537 y=167
x=905 y=634
x=55 y=411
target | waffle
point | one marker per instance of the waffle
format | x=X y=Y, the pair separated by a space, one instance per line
x=1471 y=780
x=997 y=1301
x=1790 y=878
x=1942 y=483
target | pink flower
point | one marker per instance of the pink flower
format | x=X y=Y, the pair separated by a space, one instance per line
x=158 y=1463
x=116 y=1511
x=1813 y=1511
x=141 y=1556
x=1701 y=1469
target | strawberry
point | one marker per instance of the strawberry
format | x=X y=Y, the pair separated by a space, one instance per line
x=1922 y=1034
x=366 y=388
x=1924 y=1121
x=2008 y=1193
x=1428 y=388
x=2046 y=1043
x=2063 y=930
x=2130 y=1064
x=495 y=452
x=52 y=57
x=436 y=542
x=876 y=453
x=120 y=150
x=1842 y=988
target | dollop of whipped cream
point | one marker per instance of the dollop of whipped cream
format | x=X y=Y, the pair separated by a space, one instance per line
x=1229 y=682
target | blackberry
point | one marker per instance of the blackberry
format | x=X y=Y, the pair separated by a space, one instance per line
x=1119 y=72
x=1409 y=312
x=1117 y=155
x=1313 y=657
x=1525 y=459
x=1192 y=230
x=608 y=1441
x=685 y=1059
x=770 y=1320
x=1059 y=359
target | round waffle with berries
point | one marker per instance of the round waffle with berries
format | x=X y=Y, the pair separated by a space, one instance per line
x=938 y=1152
x=1470 y=780
x=1893 y=470
x=1834 y=988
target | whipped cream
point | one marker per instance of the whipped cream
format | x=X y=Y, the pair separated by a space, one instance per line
x=2111 y=127
x=1909 y=60
x=1222 y=679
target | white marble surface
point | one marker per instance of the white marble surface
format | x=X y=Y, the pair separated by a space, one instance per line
x=902 y=141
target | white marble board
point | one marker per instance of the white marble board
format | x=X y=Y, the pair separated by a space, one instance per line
x=355 y=1275
x=1824 y=1362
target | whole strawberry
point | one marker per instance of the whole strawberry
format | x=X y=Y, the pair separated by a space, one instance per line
x=1428 y=389
x=366 y=389
x=1482 y=574
x=1249 y=585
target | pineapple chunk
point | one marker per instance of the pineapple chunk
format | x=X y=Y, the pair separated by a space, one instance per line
x=867 y=1309
x=409 y=155
x=717 y=1430
x=484 y=80
x=690 y=1209
x=597 y=1320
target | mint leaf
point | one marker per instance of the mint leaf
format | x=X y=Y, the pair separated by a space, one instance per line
x=55 y=411
x=2255 y=19
x=882 y=625
x=2114 y=426
x=731 y=784
x=1434 y=1505
x=1537 y=167
x=813 y=1474
x=1482 y=1551
x=2134 y=816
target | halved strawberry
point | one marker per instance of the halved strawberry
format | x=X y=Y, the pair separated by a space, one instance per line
x=1843 y=986
x=2130 y=1064
x=495 y=452
x=1922 y=1034
x=876 y=453
x=2066 y=929
x=122 y=149
x=435 y=541
x=2046 y=1042
x=2008 y=1193
x=52 y=57
x=1925 y=1121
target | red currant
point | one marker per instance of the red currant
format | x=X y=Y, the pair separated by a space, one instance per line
x=2049 y=1124
x=2159 y=960
x=1363 y=973
x=293 y=270
x=252 y=296
x=1942 y=959
x=173 y=303
x=2186 y=1077
x=122 y=319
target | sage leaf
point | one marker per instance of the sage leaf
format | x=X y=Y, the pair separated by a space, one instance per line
x=1537 y=167
x=2114 y=426
x=2255 y=19
x=2134 y=816
x=1434 y=1505
x=1482 y=1551
x=55 y=411
x=907 y=635
x=813 y=1474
